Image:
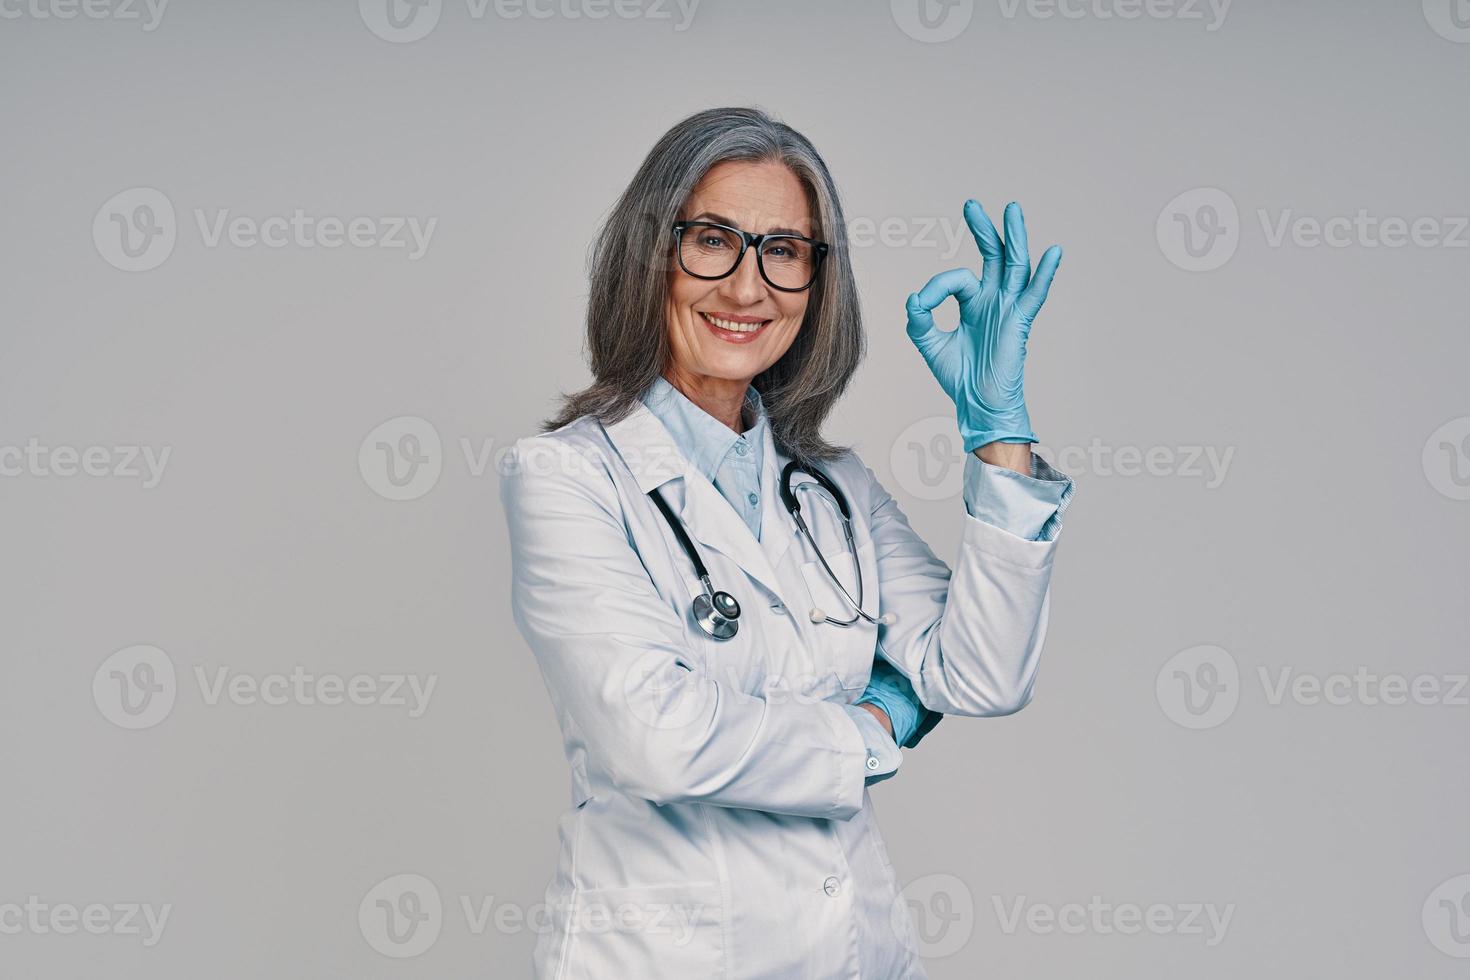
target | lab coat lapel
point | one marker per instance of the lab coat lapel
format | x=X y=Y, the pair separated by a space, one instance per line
x=713 y=523
x=651 y=455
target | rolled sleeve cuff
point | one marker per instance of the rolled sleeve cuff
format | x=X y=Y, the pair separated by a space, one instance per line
x=849 y=765
x=882 y=757
x=1030 y=507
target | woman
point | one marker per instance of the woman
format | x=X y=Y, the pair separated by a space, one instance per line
x=722 y=724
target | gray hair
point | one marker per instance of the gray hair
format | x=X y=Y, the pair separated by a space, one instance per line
x=632 y=260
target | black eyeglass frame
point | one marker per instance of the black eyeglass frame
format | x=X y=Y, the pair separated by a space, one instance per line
x=750 y=240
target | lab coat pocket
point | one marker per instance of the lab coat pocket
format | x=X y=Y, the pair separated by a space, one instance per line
x=847 y=651
x=673 y=930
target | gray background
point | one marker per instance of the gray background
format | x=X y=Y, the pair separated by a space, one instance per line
x=1333 y=543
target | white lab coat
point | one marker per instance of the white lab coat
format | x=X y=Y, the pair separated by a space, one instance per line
x=720 y=824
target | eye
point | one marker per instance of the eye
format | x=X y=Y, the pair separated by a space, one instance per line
x=787 y=250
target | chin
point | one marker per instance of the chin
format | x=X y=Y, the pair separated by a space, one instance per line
x=733 y=369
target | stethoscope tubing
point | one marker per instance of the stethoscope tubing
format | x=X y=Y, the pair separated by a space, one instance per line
x=857 y=572
x=717 y=613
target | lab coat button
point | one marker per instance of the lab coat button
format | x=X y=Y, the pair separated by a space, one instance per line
x=872 y=762
x=831 y=886
x=777 y=607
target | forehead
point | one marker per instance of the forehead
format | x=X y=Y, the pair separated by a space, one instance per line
x=758 y=197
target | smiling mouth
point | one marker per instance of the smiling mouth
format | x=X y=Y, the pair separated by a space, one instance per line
x=737 y=331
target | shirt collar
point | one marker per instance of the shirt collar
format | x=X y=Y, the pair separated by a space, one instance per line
x=699 y=436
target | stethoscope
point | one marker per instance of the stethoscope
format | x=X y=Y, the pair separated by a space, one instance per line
x=718 y=614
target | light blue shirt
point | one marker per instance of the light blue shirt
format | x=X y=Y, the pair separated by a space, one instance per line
x=1028 y=507
x=729 y=460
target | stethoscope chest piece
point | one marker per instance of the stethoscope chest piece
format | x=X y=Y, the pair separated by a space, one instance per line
x=717 y=614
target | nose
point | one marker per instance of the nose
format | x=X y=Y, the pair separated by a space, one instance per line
x=744 y=286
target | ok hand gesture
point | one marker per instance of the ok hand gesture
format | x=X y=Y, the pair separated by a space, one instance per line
x=980 y=364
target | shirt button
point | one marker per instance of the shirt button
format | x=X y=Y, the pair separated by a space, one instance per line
x=740 y=449
x=872 y=762
x=753 y=498
x=831 y=886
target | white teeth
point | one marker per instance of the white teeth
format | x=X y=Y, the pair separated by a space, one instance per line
x=736 y=327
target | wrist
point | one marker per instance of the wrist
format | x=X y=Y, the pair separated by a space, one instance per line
x=1011 y=455
x=880 y=714
x=978 y=429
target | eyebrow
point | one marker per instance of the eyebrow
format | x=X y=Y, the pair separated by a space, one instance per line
x=720 y=219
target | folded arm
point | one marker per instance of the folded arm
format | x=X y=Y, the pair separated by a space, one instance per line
x=617 y=664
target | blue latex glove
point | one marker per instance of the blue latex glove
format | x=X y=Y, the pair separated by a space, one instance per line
x=979 y=364
x=892 y=692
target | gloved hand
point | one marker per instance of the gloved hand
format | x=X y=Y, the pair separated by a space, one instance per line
x=891 y=691
x=979 y=364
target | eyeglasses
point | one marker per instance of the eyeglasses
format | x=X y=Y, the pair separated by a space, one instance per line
x=710 y=251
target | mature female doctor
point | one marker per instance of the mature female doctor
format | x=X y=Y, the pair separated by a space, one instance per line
x=736 y=623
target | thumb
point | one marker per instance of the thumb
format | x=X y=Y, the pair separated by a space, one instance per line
x=921 y=329
x=960 y=283
x=921 y=321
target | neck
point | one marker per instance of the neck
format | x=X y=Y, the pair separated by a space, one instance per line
x=720 y=398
